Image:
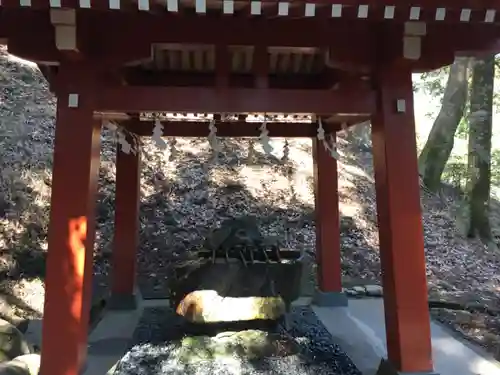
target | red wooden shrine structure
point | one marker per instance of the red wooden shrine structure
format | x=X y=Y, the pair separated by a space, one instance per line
x=341 y=60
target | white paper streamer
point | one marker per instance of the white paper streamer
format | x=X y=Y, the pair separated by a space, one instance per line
x=173 y=149
x=286 y=151
x=212 y=138
x=158 y=135
x=264 y=139
x=121 y=138
x=330 y=145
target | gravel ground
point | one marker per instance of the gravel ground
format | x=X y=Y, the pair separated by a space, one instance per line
x=157 y=341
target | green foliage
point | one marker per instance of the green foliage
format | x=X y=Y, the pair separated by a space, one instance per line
x=455 y=172
x=463 y=127
x=495 y=167
x=434 y=82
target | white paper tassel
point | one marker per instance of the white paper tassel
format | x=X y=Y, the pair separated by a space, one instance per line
x=331 y=146
x=286 y=151
x=212 y=138
x=111 y=126
x=121 y=138
x=173 y=149
x=321 y=131
x=264 y=139
x=158 y=135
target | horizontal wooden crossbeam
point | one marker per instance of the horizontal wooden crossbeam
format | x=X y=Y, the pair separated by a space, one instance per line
x=356 y=99
x=229 y=128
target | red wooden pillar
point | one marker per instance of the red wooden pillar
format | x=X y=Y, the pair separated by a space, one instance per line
x=327 y=229
x=72 y=225
x=126 y=238
x=400 y=224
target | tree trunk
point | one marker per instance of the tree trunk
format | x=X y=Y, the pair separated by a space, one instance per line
x=479 y=157
x=439 y=145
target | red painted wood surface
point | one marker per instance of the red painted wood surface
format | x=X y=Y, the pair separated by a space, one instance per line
x=400 y=224
x=126 y=236
x=327 y=219
x=71 y=236
x=113 y=37
x=234 y=100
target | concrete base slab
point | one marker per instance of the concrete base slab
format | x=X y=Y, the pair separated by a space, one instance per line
x=386 y=368
x=121 y=302
x=360 y=331
x=110 y=341
x=331 y=299
x=352 y=338
x=302 y=301
x=160 y=302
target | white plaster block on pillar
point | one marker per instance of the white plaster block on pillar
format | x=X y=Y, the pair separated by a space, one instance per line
x=64 y=21
x=412 y=47
x=73 y=100
x=401 y=106
x=412 y=39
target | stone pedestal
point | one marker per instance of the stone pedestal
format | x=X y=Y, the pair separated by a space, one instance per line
x=231 y=292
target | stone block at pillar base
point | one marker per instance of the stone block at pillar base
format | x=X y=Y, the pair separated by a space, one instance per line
x=329 y=299
x=385 y=368
x=122 y=301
